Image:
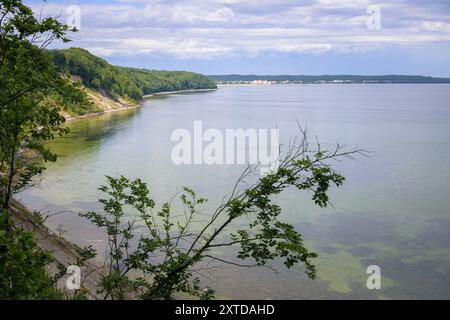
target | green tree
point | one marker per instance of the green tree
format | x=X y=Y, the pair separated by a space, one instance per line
x=23 y=273
x=167 y=250
x=119 y=82
x=28 y=114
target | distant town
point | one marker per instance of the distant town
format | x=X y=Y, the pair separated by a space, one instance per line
x=323 y=79
x=260 y=81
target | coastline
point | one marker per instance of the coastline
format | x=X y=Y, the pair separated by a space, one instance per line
x=64 y=251
x=89 y=115
x=176 y=92
x=126 y=106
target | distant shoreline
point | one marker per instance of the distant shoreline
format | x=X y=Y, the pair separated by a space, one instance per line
x=328 y=83
x=324 y=79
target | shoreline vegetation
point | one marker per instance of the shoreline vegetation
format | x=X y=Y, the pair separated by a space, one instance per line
x=112 y=87
x=107 y=105
x=79 y=85
x=63 y=251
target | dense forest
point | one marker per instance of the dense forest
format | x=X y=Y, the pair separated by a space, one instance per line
x=128 y=83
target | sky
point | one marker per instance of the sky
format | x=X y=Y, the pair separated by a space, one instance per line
x=263 y=36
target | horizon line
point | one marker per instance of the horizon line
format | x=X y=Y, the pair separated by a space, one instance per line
x=328 y=75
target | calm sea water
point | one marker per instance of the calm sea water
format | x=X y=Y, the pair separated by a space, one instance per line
x=393 y=211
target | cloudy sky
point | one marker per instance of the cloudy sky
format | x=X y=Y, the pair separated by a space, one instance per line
x=264 y=36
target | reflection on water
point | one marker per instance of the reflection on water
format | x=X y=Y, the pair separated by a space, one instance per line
x=393 y=210
x=90 y=132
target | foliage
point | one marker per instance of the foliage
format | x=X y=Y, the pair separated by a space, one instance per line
x=77 y=102
x=169 y=249
x=31 y=95
x=28 y=114
x=83 y=255
x=127 y=83
x=23 y=273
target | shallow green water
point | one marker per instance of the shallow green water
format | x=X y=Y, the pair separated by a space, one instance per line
x=393 y=211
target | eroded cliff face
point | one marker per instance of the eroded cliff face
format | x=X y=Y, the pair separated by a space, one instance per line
x=102 y=104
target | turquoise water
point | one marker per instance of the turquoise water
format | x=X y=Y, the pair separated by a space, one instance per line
x=393 y=211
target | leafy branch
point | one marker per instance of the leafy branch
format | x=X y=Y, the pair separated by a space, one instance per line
x=168 y=249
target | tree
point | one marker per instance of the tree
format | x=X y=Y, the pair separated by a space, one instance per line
x=127 y=83
x=168 y=250
x=28 y=114
x=23 y=273
x=32 y=93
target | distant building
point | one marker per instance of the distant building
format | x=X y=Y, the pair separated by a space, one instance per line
x=260 y=82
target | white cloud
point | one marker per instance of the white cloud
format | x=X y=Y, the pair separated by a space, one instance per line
x=436 y=26
x=205 y=29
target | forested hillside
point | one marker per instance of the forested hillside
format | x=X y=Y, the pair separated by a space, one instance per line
x=128 y=83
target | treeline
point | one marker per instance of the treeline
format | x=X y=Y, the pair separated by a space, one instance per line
x=328 y=78
x=128 y=83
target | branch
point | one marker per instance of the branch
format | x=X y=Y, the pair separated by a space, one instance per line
x=233 y=242
x=232 y=263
